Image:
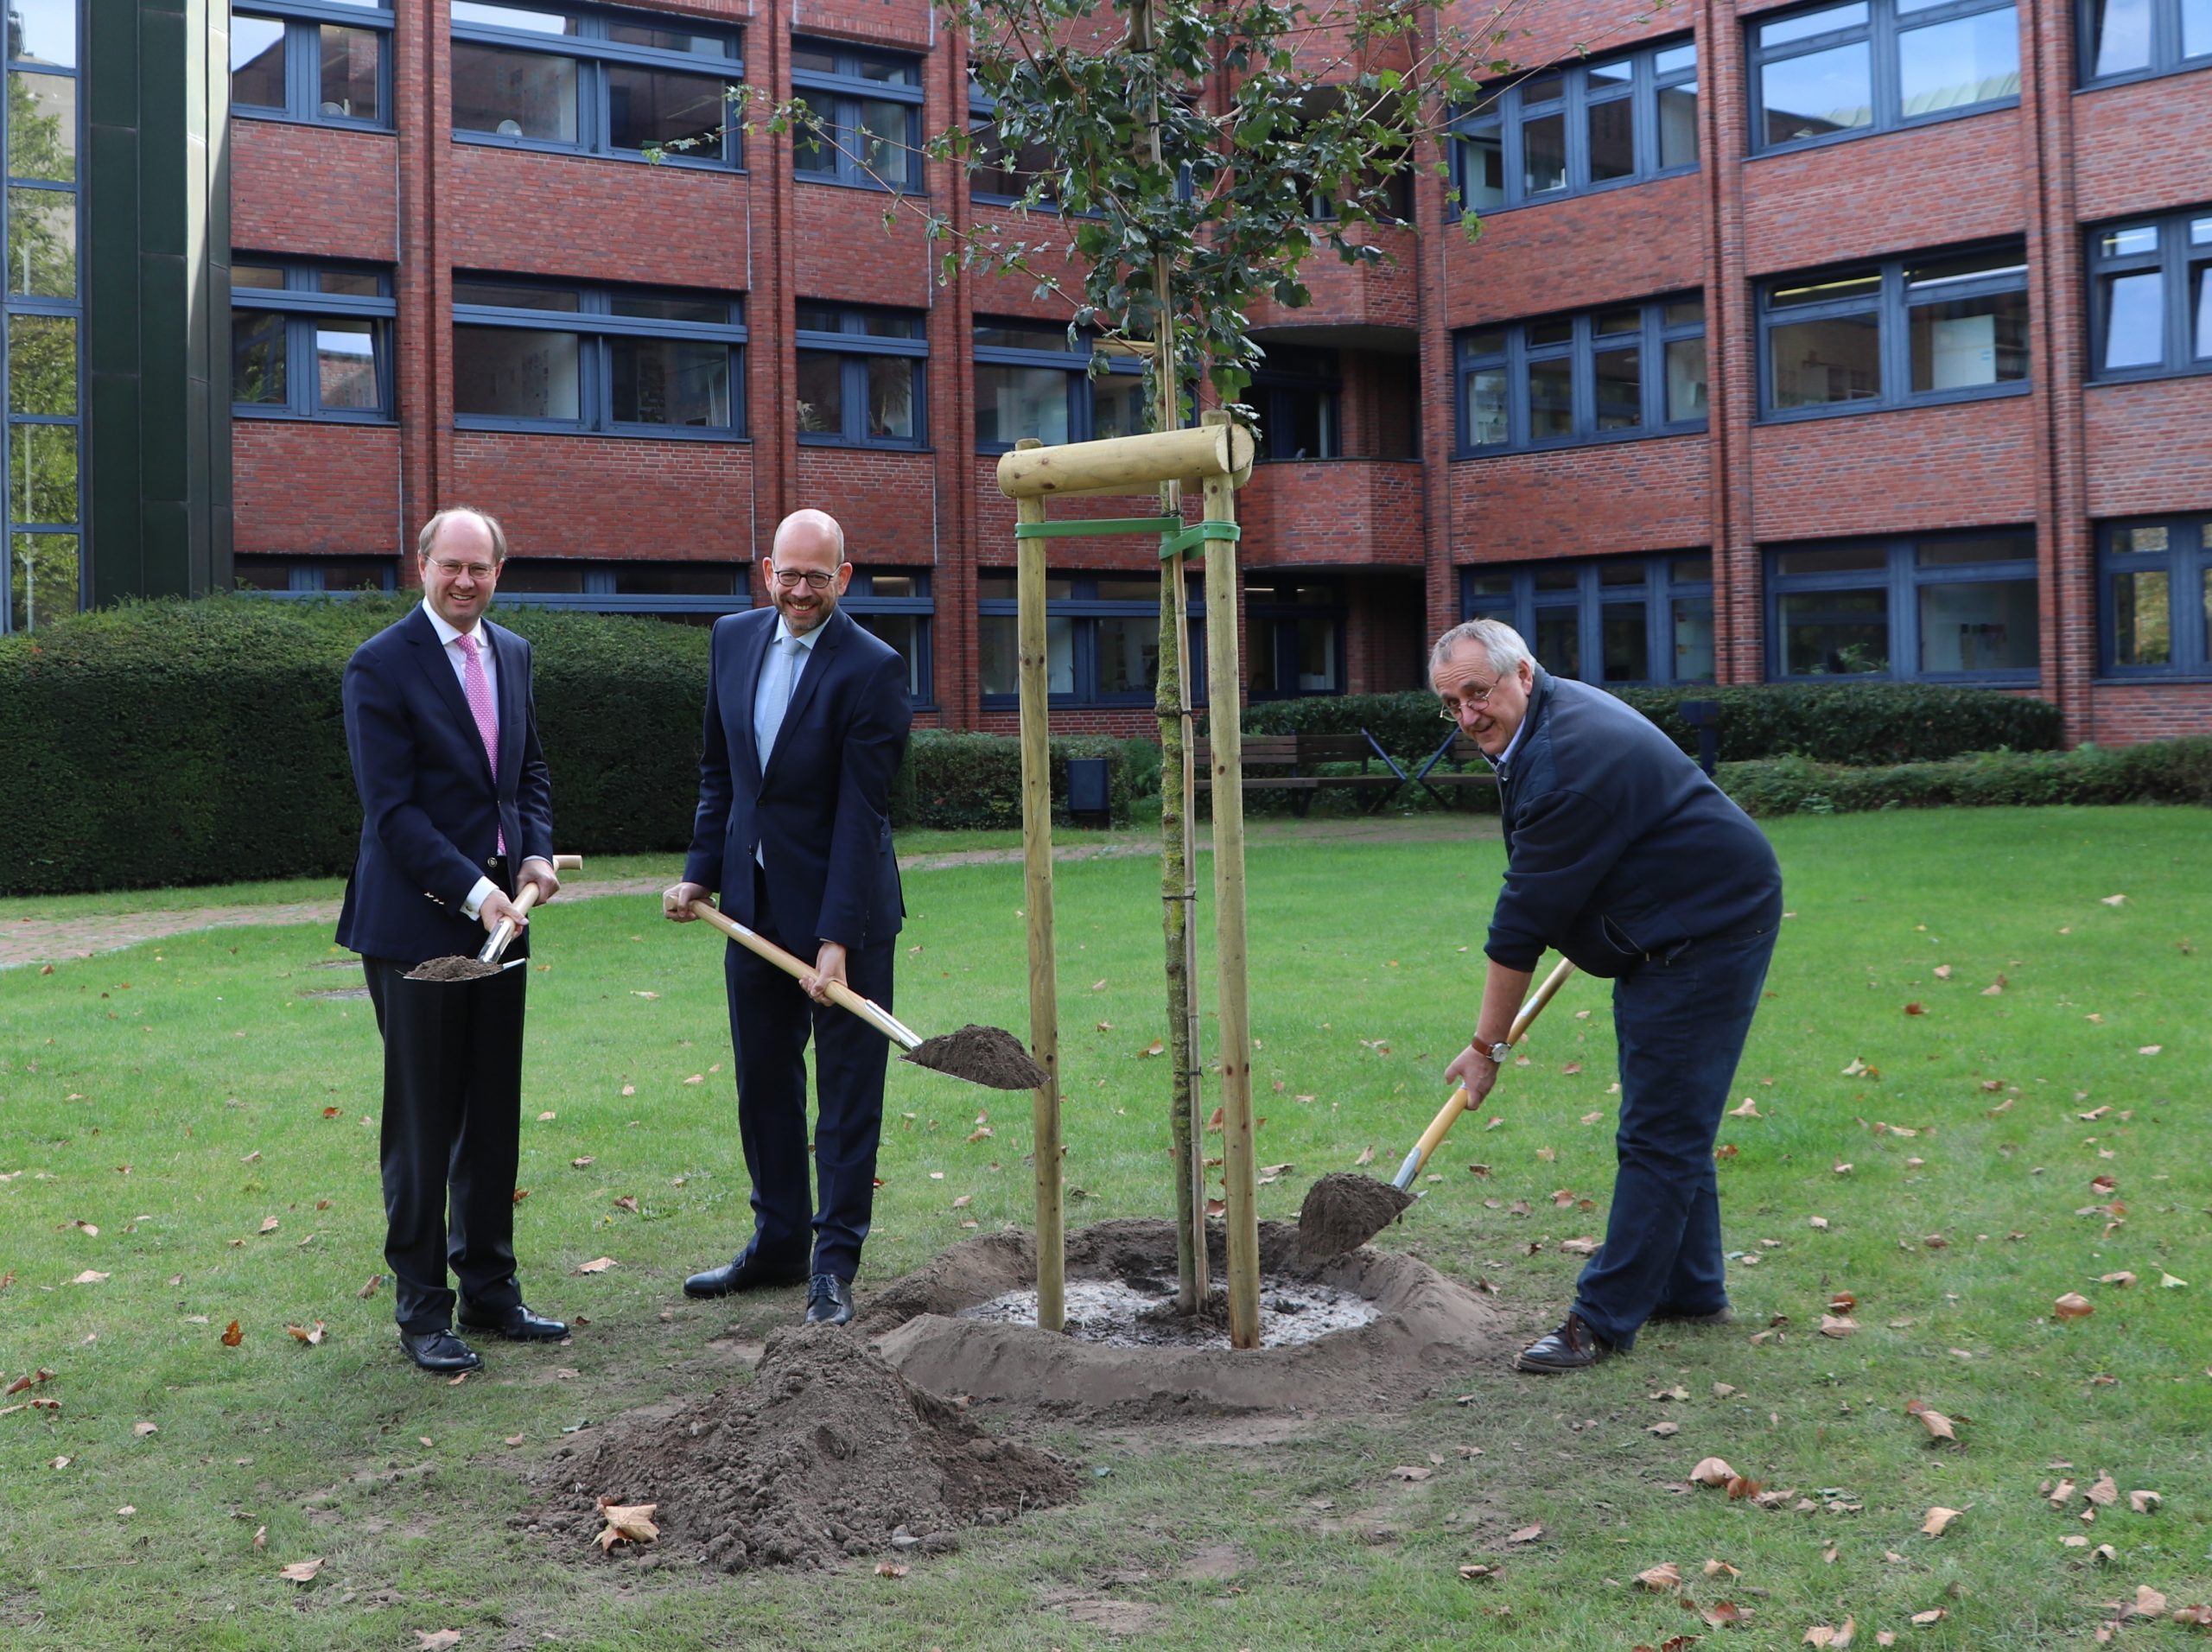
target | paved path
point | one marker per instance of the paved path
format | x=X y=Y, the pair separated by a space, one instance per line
x=42 y=940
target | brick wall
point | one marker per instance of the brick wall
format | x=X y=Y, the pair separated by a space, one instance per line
x=317 y=489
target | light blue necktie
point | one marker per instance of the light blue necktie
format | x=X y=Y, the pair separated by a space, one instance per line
x=778 y=678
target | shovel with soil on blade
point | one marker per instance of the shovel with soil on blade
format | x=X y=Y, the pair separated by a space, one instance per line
x=989 y=1056
x=1343 y=1211
x=486 y=963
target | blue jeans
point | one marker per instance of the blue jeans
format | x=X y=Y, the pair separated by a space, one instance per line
x=1681 y=1020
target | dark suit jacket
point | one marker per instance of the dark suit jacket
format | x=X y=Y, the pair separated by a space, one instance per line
x=1617 y=845
x=430 y=815
x=821 y=813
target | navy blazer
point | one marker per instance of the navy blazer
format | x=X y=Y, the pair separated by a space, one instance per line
x=1617 y=845
x=430 y=815
x=820 y=815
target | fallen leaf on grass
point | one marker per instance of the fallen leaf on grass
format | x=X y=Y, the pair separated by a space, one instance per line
x=302 y=1571
x=1663 y=1578
x=596 y=1265
x=1722 y=1569
x=1934 y=1615
x=370 y=1289
x=1939 y=1520
x=890 y=1569
x=1936 y=1422
x=312 y=1337
x=1837 y=1325
x=2168 y=1282
x=1665 y=1430
x=1476 y=1574
x=1819 y=1222
x=270 y=1225
x=2149 y=1049
x=2149 y=1603
x=627 y=1523
x=1157 y=1047
x=1527 y=1534
x=232 y=1334
x=1834 y=1638
x=627 y=1201
x=437 y=1640
x=1366 y=1157
x=2144 y=1502
x=2112 y=900
x=88 y=1277
x=1722 y=1613
x=2073 y=1306
x=1711 y=1470
x=2200 y=1615
x=1410 y=1471
x=260 y=1537
x=1584 y=1247
x=142 y=1429
x=1915 y=1008
x=2103 y=1493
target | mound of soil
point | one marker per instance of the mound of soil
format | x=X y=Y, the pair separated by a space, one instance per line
x=460 y=968
x=827 y=1454
x=982 y=1055
x=1343 y=1211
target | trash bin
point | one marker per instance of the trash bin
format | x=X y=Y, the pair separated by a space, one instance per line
x=1704 y=715
x=1089 y=800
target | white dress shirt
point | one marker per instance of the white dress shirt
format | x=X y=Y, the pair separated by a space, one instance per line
x=448 y=639
x=768 y=715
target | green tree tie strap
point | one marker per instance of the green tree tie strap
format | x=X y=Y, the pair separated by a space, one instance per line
x=1097 y=528
x=1191 y=540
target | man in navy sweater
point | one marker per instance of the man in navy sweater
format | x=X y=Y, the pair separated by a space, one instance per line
x=1621 y=853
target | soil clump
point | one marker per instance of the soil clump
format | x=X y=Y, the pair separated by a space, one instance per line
x=456 y=968
x=983 y=1055
x=825 y=1455
x=1343 y=1211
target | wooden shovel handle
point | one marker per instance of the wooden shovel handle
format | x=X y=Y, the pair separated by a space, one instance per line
x=843 y=996
x=502 y=937
x=1449 y=1113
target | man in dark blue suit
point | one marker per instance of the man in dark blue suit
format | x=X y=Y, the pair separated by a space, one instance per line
x=806 y=723
x=1624 y=856
x=442 y=730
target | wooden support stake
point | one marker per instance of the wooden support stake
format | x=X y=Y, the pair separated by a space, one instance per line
x=1224 y=684
x=1037 y=878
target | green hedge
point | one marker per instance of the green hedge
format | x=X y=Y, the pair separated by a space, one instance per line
x=967 y=782
x=1856 y=723
x=2176 y=771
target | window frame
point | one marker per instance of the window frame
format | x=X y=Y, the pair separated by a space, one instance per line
x=1901 y=578
x=1085 y=611
x=301 y=302
x=844 y=87
x=1301 y=370
x=592 y=51
x=1082 y=409
x=307 y=578
x=861 y=601
x=984 y=117
x=2176 y=258
x=1893 y=305
x=1581 y=351
x=599 y=594
x=2187 y=563
x=303 y=21
x=2166 y=43
x=1884 y=68
x=1274 y=623
x=853 y=346
x=1659 y=592
x=1502 y=111
x=597 y=326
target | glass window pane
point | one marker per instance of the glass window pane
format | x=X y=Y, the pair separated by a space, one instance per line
x=1692 y=621
x=266 y=276
x=1015 y=402
x=1559 y=576
x=810 y=60
x=1620 y=573
x=1117 y=406
x=258 y=358
x=514 y=94
x=44 y=31
x=2142 y=623
x=1835 y=634
x=1486 y=419
x=1820 y=364
x=536 y=22
x=1612 y=139
x=1002 y=335
x=42 y=364
x=1543 y=154
x=891 y=397
x=1966 y=60
x=902 y=633
x=1820 y=289
x=1614 y=323
x=1613 y=72
x=2196 y=28
x=2139 y=539
x=1685 y=380
x=2204 y=312
x=1678 y=124
x=1929 y=276
x=815 y=139
x=1817 y=93
x=1627 y=643
x=1551 y=399
x=1684 y=312
x=1839 y=559
x=2121 y=32
x=648 y=107
x=1482 y=163
x=1970 y=342
x=42 y=473
x=514 y=296
x=345 y=364
x=349 y=86
x=1546 y=86
x=671 y=383
x=877 y=325
x=668 y=40
x=1806 y=24
x=998 y=644
x=45 y=580
x=1491 y=341
x=1497 y=588
x=1316 y=642
x=257 y=63
x=658 y=307
x=1982 y=547
x=2129 y=241
x=1128 y=655
x=894 y=585
x=1979 y=626
x=2135 y=320
x=41 y=127
x=1558 y=641
x=1620 y=375
x=882 y=138
x=1673 y=58
x=1685 y=570
x=890 y=71
x=514 y=373
x=351 y=284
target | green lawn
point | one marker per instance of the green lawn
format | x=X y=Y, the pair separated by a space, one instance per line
x=180 y=1096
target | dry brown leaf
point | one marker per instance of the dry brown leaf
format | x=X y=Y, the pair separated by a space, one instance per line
x=1579 y=1247
x=302 y=1571
x=1939 y=1520
x=1934 y=1615
x=1834 y=1638
x=2168 y=1282
x=1527 y=1534
x=890 y=1569
x=89 y=1277
x=312 y=1337
x=2149 y=1603
x=1722 y=1613
x=1885 y=1638
x=2103 y=1492
x=630 y=1522
x=1915 y=1008
x=1665 y=1430
x=1741 y=1486
x=142 y=1429
x=437 y=1640
x=1936 y=1422
x=2144 y=1502
x=2111 y=901
x=2062 y=1494
x=232 y=1334
x=370 y=1289
x=1721 y=1569
x=1476 y=1574
x=1410 y=1471
x=2199 y=1615
x=1366 y=1157
x=2073 y=1306
x=1664 y=1578
x=596 y=1265
x=1156 y=1047
x=270 y=1225
x=1837 y=1325
x=2122 y=1279
x=261 y=1537
x=1711 y=1470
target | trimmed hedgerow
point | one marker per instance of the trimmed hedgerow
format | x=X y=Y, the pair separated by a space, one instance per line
x=2174 y=772
x=970 y=782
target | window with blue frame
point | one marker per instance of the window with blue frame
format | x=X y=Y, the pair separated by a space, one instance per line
x=2150 y=296
x=869 y=105
x=1946 y=608
x=1102 y=638
x=1296 y=393
x=42 y=573
x=1567 y=130
x=1942 y=326
x=596 y=82
x=1873 y=66
x=861 y=377
x=323 y=60
x=1609 y=375
x=691 y=593
x=2155 y=581
x=313 y=576
x=610 y=361
x=2133 y=40
x=310 y=340
x=1611 y=619
x=1294 y=637
x=1030 y=381
x=893 y=604
x=1000 y=175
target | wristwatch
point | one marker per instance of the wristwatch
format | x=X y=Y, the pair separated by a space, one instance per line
x=1499 y=1053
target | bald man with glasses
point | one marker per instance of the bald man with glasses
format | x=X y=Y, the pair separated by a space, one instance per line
x=806 y=723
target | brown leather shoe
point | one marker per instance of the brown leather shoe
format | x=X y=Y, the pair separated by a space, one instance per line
x=1570 y=1347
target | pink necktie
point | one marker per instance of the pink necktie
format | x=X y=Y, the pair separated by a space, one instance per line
x=478 y=688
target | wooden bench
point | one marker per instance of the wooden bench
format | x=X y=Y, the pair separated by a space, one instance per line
x=1286 y=762
x=1458 y=762
x=1375 y=789
x=1270 y=764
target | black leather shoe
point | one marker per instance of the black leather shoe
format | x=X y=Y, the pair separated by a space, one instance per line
x=1572 y=1347
x=829 y=1301
x=750 y=1272
x=440 y=1352
x=517 y=1323
x=1720 y=1316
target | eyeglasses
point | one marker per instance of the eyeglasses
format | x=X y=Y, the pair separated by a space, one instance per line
x=1454 y=704
x=453 y=569
x=791 y=578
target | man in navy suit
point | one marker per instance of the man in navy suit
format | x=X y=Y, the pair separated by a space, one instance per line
x=442 y=731
x=1621 y=853
x=806 y=722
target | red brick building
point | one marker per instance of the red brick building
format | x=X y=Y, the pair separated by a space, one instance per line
x=1862 y=337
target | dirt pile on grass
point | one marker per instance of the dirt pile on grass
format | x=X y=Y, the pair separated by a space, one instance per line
x=982 y=1055
x=826 y=1454
x=1343 y=1211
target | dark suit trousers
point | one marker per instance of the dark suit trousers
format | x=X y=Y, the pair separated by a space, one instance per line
x=452 y=1131
x=770 y=1020
x=1680 y=1023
